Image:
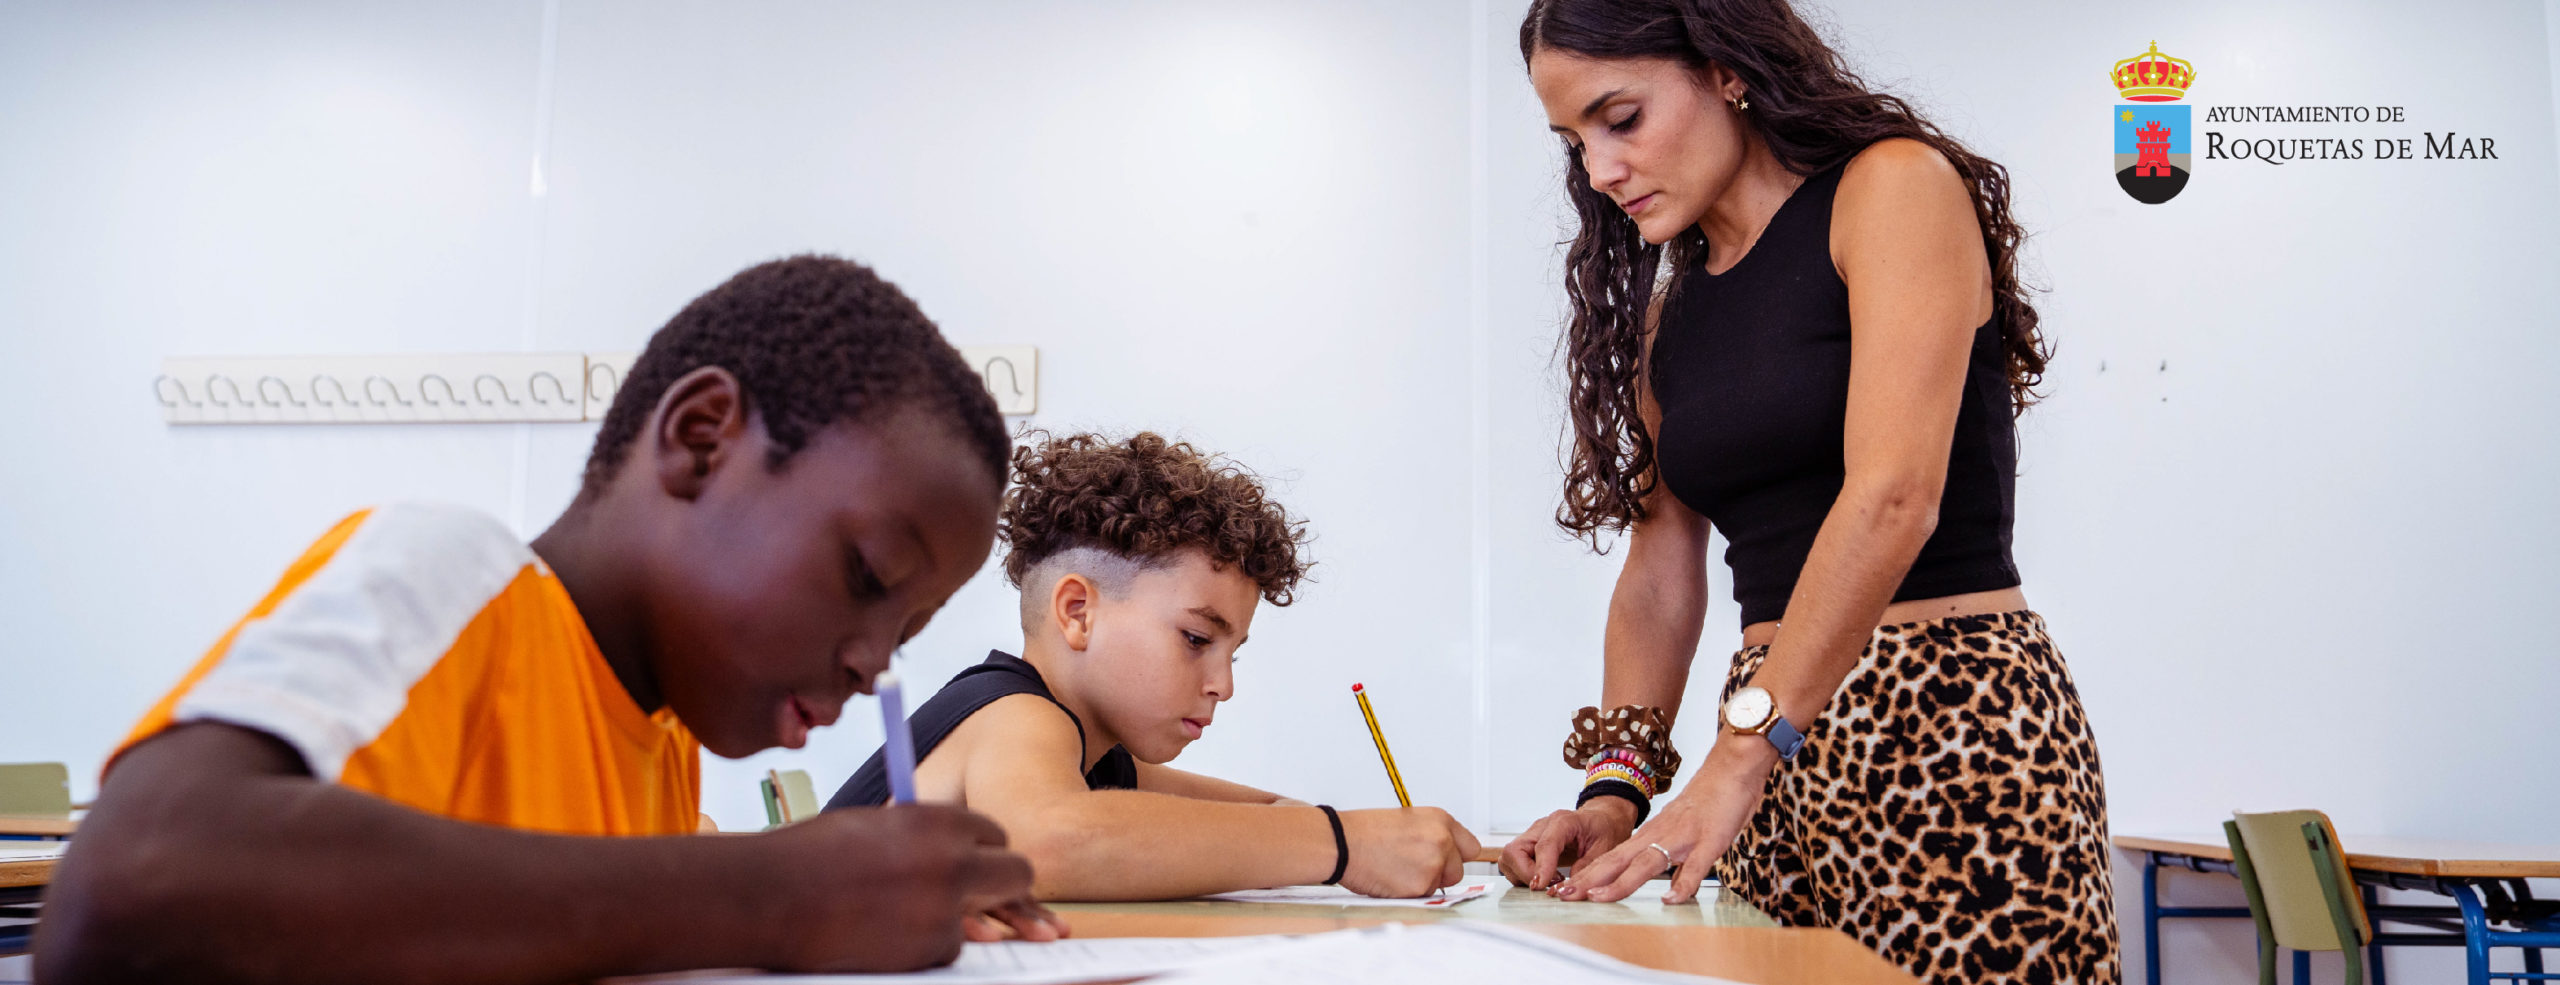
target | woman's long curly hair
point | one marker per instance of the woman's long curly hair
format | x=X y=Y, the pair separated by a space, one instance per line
x=1812 y=112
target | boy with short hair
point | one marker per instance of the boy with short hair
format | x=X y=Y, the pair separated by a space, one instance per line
x=1140 y=563
x=397 y=767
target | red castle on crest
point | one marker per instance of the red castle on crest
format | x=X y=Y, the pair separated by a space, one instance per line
x=2152 y=141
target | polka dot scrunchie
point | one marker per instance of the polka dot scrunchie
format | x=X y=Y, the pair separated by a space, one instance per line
x=1643 y=728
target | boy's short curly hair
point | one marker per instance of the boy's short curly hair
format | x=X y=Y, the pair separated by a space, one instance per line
x=1144 y=499
x=813 y=340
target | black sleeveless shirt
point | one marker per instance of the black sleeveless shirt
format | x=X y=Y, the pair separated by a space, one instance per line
x=1751 y=370
x=1002 y=674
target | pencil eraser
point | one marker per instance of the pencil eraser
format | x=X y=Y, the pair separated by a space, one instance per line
x=887 y=678
x=1355 y=689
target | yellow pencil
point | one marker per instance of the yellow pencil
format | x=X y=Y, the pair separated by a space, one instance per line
x=1383 y=755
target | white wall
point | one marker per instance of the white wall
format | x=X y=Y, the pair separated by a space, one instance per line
x=2300 y=566
x=176 y=179
x=1155 y=194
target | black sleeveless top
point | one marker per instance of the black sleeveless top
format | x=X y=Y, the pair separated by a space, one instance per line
x=1002 y=674
x=1751 y=370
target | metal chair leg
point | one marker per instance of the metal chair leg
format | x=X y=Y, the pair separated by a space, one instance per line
x=2373 y=952
x=2151 y=917
x=2522 y=892
x=2475 y=931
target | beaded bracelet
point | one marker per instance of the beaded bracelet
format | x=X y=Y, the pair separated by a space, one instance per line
x=1626 y=761
x=1614 y=770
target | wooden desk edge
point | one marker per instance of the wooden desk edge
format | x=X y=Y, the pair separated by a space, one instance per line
x=41 y=825
x=2220 y=851
x=1760 y=955
x=16 y=873
x=2443 y=868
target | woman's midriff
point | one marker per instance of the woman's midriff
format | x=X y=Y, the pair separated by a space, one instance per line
x=1917 y=610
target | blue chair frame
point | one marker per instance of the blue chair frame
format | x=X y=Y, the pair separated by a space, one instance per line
x=2480 y=905
x=18 y=903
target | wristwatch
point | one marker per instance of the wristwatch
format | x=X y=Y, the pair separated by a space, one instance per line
x=1752 y=711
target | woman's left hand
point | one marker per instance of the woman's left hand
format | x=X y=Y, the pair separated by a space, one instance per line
x=1692 y=831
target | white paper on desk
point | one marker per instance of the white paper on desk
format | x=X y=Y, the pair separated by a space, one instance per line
x=28 y=851
x=1338 y=896
x=1400 y=954
x=1016 y=963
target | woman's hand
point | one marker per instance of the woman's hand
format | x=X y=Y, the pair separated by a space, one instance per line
x=1693 y=830
x=1562 y=837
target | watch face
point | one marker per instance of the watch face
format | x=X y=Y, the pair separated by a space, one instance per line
x=1749 y=707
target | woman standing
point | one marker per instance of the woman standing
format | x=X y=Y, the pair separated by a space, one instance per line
x=1830 y=375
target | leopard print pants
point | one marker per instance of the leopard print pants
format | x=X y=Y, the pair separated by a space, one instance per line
x=1945 y=810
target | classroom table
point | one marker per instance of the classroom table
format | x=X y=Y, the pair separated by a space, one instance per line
x=2486 y=882
x=17 y=826
x=1720 y=937
x=1506 y=904
x=29 y=873
x=22 y=882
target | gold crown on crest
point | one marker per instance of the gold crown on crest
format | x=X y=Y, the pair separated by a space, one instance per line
x=2152 y=77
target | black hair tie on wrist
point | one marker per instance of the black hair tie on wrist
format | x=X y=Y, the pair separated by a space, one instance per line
x=1620 y=789
x=1341 y=845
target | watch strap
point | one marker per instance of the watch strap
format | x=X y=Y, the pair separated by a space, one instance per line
x=1783 y=735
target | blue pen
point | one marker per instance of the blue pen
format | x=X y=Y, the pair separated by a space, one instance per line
x=901 y=747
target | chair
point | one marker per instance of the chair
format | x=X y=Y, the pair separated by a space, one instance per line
x=2303 y=896
x=35 y=788
x=2298 y=887
x=788 y=797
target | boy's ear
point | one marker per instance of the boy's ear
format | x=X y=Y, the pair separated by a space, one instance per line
x=1071 y=608
x=700 y=424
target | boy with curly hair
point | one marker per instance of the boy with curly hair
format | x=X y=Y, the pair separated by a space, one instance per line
x=1140 y=564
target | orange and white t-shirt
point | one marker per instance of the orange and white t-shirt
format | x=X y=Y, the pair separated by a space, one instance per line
x=425 y=655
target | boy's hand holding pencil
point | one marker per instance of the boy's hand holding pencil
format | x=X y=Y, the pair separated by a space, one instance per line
x=1406 y=852
x=874 y=890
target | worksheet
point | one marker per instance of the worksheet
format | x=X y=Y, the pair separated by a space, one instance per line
x=1338 y=896
x=1015 y=963
x=1469 y=951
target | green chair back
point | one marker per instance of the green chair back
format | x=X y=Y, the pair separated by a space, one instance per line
x=788 y=797
x=799 y=798
x=35 y=788
x=2301 y=893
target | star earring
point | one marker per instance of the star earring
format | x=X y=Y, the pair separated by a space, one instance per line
x=1740 y=102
